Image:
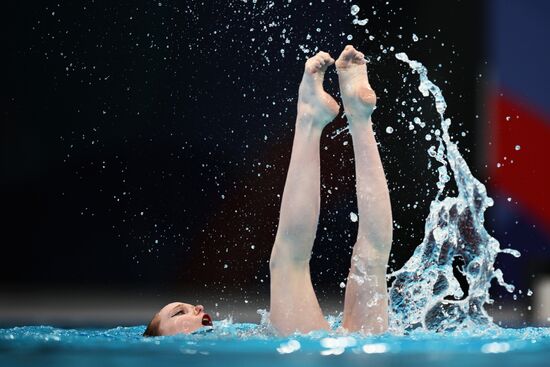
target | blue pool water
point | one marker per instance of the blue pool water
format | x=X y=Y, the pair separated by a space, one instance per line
x=233 y=344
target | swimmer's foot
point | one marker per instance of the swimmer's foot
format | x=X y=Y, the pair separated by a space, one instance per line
x=315 y=106
x=357 y=95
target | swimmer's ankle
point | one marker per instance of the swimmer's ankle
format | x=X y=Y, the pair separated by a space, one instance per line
x=360 y=125
x=307 y=123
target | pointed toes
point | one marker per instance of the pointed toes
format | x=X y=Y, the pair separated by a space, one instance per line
x=325 y=56
x=350 y=56
x=348 y=53
x=359 y=58
x=320 y=62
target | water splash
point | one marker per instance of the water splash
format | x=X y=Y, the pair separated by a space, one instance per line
x=425 y=292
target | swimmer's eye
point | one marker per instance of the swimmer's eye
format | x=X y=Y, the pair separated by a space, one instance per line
x=179 y=313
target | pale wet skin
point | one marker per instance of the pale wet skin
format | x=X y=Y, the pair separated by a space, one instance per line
x=294 y=305
x=314 y=104
x=357 y=94
x=181 y=318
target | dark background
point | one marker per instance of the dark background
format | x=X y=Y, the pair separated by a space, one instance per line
x=145 y=144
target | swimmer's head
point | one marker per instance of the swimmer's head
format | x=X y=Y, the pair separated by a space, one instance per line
x=178 y=318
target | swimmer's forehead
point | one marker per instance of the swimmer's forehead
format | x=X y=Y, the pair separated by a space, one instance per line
x=173 y=305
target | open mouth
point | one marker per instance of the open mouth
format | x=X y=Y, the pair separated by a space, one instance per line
x=206 y=320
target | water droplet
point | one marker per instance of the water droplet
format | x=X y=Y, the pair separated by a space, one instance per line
x=360 y=21
x=419 y=122
x=349 y=37
x=508 y=118
x=428 y=137
x=518 y=147
x=342 y=285
x=354 y=9
x=415 y=37
x=389 y=129
x=353 y=217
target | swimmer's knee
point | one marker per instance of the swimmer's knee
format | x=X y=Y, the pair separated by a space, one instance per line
x=368 y=259
x=287 y=255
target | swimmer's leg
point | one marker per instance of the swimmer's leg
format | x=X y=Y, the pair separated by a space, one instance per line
x=294 y=306
x=366 y=300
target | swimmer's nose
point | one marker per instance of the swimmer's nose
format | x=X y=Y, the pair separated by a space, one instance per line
x=199 y=309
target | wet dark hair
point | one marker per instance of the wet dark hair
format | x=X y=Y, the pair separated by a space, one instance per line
x=153 y=327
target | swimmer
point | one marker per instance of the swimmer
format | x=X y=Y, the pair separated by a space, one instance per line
x=294 y=306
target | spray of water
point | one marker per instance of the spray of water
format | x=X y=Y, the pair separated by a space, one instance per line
x=425 y=293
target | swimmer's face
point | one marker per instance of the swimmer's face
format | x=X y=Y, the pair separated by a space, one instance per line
x=181 y=318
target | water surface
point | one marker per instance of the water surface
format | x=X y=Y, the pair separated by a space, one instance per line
x=239 y=344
